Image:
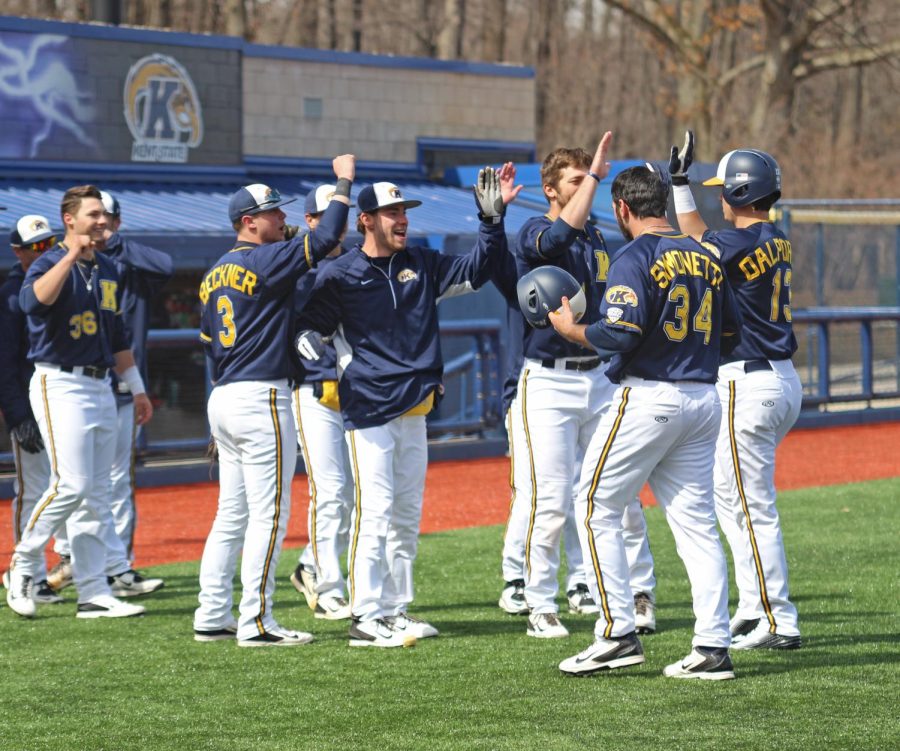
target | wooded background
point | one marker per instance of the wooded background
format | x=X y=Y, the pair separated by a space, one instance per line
x=813 y=81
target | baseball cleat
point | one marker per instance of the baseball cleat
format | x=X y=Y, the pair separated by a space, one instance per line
x=644 y=614
x=512 y=598
x=705 y=663
x=605 y=654
x=215 y=634
x=279 y=638
x=762 y=638
x=332 y=608
x=131 y=584
x=378 y=633
x=407 y=625
x=742 y=626
x=6 y=579
x=60 y=576
x=304 y=581
x=20 y=595
x=106 y=606
x=580 y=600
x=546 y=626
x=44 y=595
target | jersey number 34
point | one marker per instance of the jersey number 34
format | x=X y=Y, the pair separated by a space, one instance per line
x=677 y=330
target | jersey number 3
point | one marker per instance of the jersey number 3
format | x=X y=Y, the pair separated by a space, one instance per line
x=677 y=330
x=228 y=333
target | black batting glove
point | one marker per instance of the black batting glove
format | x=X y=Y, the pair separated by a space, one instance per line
x=28 y=436
x=679 y=161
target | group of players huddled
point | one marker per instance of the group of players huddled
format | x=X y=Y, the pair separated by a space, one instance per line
x=665 y=362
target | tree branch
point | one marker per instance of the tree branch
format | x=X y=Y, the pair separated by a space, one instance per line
x=847 y=57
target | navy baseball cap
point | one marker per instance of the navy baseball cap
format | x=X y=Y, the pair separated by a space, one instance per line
x=254 y=199
x=318 y=198
x=110 y=203
x=381 y=196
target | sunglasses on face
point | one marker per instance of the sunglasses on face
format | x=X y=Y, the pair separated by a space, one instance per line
x=41 y=245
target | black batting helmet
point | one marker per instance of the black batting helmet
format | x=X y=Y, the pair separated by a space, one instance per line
x=541 y=291
x=747 y=176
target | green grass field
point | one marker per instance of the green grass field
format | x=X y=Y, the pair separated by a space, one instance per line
x=145 y=684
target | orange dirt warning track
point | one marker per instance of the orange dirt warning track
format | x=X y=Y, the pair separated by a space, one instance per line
x=173 y=521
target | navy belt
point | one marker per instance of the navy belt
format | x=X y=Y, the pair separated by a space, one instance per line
x=577 y=365
x=754 y=366
x=88 y=370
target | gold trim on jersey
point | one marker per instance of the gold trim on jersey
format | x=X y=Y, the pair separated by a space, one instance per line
x=357 y=503
x=273 y=537
x=205 y=338
x=739 y=480
x=307 y=252
x=422 y=408
x=533 y=514
x=51 y=451
x=626 y=324
x=313 y=491
x=595 y=481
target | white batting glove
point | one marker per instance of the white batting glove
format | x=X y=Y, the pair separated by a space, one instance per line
x=489 y=196
x=310 y=345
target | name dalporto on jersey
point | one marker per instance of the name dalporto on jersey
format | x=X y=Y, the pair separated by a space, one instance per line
x=674 y=263
x=227 y=275
x=764 y=257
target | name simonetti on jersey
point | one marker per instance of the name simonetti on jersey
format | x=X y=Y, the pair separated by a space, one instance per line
x=765 y=257
x=676 y=262
x=227 y=275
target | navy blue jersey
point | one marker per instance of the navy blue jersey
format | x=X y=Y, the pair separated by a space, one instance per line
x=757 y=261
x=15 y=370
x=84 y=325
x=504 y=275
x=384 y=312
x=672 y=292
x=325 y=368
x=583 y=253
x=247 y=301
x=142 y=273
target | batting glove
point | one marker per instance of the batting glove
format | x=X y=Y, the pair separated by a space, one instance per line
x=310 y=345
x=679 y=161
x=488 y=196
x=28 y=436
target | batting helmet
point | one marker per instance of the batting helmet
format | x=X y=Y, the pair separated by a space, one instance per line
x=541 y=291
x=747 y=176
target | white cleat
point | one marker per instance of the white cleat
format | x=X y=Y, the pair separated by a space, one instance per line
x=131 y=584
x=107 y=606
x=644 y=614
x=332 y=608
x=409 y=626
x=378 y=633
x=580 y=601
x=20 y=595
x=280 y=637
x=605 y=654
x=546 y=626
x=512 y=598
x=705 y=663
x=304 y=582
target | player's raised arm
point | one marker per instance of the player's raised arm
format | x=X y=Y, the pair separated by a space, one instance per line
x=576 y=211
x=689 y=219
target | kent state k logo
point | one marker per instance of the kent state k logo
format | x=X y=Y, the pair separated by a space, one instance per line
x=162 y=110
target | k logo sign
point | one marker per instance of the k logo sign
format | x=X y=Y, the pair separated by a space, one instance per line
x=162 y=110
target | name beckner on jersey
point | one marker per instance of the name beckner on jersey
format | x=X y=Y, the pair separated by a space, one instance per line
x=669 y=290
x=227 y=275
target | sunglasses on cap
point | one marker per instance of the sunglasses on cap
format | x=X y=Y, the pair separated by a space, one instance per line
x=41 y=245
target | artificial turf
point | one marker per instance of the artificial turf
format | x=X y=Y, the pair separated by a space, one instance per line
x=143 y=683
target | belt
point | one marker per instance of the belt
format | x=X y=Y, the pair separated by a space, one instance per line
x=754 y=366
x=90 y=371
x=577 y=365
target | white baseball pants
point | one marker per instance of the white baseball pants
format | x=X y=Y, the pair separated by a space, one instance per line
x=664 y=433
x=255 y=434
x=389 y=464
x=320 y=431
x=32 y=479
x=76 y=415
x=758 y=409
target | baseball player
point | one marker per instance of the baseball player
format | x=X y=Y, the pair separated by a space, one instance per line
x=320 y=430
x=666 y=313
x=512 y=597
x=380 y=301
x=246 y=324
x=76 y=333
x=758 y=386
x=563 y=389
x=31 y=237
x=142 y=272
